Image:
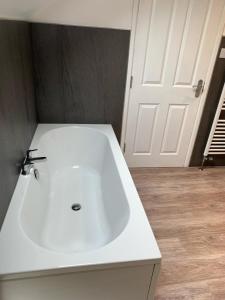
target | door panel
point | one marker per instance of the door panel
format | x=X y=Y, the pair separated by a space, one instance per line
x=145 y=128
x=190 y=45
x=174 y=129
x=158 y=36
x=173 y=48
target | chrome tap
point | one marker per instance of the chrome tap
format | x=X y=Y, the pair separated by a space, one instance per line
x=28 y=163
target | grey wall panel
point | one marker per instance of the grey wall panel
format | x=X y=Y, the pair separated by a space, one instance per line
x=17 y=104
x=212 y=100
x=80 y=74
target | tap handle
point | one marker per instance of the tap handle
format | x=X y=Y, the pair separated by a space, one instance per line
x=23 y=172
x=29 y=151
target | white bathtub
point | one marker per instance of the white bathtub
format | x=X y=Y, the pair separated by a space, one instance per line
x=108 y=237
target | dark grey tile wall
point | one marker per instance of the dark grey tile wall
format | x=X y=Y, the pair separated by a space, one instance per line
x=80 y=74
x=213 y=97
x=17 y=104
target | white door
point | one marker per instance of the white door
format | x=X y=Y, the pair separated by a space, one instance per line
x=173 y=48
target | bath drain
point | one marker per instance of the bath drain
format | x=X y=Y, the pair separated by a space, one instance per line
x=76 y=207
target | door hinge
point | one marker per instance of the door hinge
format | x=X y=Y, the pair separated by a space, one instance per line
x=124 y=147
x=131 y=82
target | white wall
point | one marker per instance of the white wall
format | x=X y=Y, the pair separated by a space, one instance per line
x=96 y=13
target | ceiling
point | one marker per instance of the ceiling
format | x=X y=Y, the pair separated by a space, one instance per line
x=100 y=13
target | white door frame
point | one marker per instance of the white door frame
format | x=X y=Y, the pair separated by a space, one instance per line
x=204 y=94
x=129 y=70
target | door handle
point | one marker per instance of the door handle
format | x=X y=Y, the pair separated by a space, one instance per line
x=198 y=89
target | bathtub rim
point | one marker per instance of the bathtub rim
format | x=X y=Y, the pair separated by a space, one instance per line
x=111 y=255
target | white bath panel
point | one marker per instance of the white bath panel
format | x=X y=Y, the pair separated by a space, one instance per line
x=114 y=284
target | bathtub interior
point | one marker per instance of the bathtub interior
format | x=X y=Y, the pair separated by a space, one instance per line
x=80 y=169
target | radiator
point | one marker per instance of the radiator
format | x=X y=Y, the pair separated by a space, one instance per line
x=216 y=141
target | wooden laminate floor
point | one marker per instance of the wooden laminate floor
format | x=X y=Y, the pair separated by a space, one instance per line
x=186 y=209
